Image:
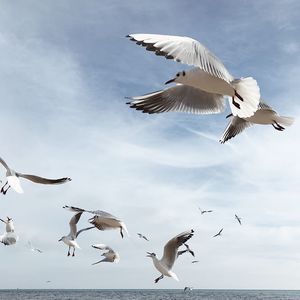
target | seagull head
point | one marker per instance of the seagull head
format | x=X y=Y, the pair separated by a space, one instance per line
x=151 y=254
x=61 y=239
x=9 y=219
x=179 y=78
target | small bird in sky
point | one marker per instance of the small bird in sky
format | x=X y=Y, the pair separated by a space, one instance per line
x=219 y=233
x=238 y=219
x=110 y=255
x=142 y=236
x=195 y=261
x=33 y=249
x=165 y=264
x=204 y=211
x=9 y=237
x=188 y=249
x=102 y=220
x=13 y=181
x=70 y=239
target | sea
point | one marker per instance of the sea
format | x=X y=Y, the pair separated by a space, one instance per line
x=148 y=294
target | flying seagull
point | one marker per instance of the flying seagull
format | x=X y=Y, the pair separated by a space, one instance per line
x=265 y=115
x=204 y=211
x=102 y=220
x=13 y=181
x=110 y=255
x=200 y=90
x=9 y=237
x=165 y=264
x=70 y=239
x=238 y=219
x=219 y=233
x=142 y=236
x=188 y=249
x=33 y=249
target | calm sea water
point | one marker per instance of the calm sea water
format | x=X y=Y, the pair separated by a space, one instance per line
x=148 y=294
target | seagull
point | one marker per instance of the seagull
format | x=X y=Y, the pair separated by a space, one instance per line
x=238 y=219
x=219 y=233
x=188 y=288
x=9 y=237
x=110 y=255
x=33 y=249
x=205 y=211
x=265 y=115
x=142 y=237
x=195 y=261
x=188 y=249
x=200 y=90
x=13 y=181
x=102 y=220
x=165 y=264
x=70 y=239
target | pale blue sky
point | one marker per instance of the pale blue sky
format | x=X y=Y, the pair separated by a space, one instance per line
x=66 y=67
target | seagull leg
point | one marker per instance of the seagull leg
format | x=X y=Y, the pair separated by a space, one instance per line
x=121 y=232
x=73 y=252
x=159 y=278
x=69 y=251
x=3 y=191
x=277 y=126
x=235 y=103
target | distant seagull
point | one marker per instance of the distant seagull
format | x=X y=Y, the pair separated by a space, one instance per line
x=219 y=233
x=102 y=220
x=204 y=211
x=142 y=236
x=265 y=115
x=9 y=237
x=165 y=264
x=48 y=281
x=70 y=239
x=188 y=249
x=195 y=261
x=200 y=90
x=238 y=219
x=188 y=288
x=110 y=255
x=14 y=182
x=33 y=249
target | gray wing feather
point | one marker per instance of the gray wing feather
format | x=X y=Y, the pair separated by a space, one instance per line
x=179 y=98
x=170 y=249
x=84 y=229
x=234 y=127
x=73 y=224
x=42 y=180
x=4 y=164
x=185 y=50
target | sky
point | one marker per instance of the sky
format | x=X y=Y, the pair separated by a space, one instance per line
x=66 y=68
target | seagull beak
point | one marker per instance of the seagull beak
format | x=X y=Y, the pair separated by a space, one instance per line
x=60 y=240
x=169 y=81
x=149 y=254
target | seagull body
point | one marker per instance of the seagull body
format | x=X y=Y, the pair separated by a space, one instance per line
x=9 y=237
x=165 y=264
x=142 y=236
x=70 y=239
x=219 y=233
x=265 y=115
x=110 y=255
x=102 y=220
x=200 y=90
x=13 y=179
x=238 y=219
